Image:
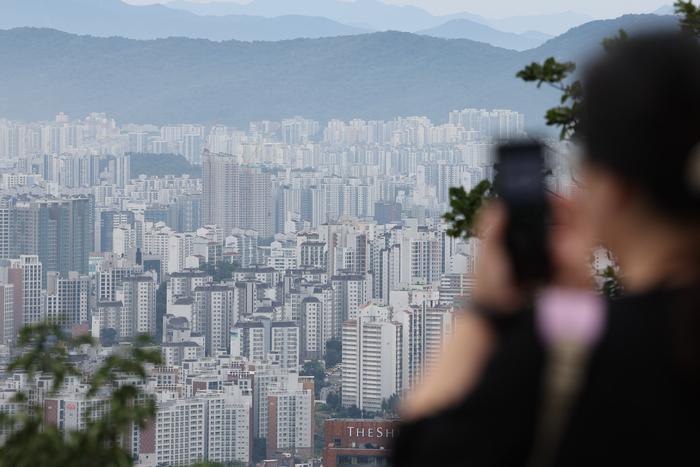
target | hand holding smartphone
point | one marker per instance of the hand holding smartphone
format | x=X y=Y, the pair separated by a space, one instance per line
x=520 y=186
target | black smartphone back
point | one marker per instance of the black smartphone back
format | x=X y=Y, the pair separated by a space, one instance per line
x=521 y=187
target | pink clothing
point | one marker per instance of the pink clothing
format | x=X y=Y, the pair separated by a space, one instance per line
x=564 y=314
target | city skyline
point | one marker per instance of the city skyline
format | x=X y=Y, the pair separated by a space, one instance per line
x=255 y=233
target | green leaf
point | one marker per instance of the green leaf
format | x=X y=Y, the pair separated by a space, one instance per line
x=690 y=18
x=611 y=44
x=29 y=443
x=550 y=71
x=465 y=208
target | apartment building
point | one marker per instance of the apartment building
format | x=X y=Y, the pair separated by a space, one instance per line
x=372 y=358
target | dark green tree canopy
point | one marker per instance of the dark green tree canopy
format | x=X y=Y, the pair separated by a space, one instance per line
x=30 y=443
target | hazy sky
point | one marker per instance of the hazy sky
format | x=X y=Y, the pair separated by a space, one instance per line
x=501 y=8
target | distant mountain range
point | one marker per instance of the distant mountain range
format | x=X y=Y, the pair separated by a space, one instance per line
x=465 y=29
x=369 y=76
x=665 y=10
x=373 y=14
x=272 y=20
x=107 y=18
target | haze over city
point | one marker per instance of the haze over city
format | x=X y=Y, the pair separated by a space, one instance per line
x=321 y=233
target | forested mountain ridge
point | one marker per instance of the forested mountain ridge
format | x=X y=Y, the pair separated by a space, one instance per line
x=369 y=76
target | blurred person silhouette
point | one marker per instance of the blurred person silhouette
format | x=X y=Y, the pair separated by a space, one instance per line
x=506 y=393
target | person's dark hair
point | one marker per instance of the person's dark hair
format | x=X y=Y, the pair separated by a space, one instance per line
x=641 y=117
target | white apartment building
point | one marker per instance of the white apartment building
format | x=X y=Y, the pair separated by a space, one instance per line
x=175 y=353
x=255 y=340
x=180 y=246
x=7 y=313
x=312 y=312
x=266 y=275
x=372 y=358
x=281 y=258
x=421 y=257
x=111 y=272
x=220 y=178
x=138 y=296
x=350 y=291
x=68 y=410
x=214 y=426
x=123 y=238
x=456 y=286
x=11 y=180
x=11 y=408
x=229 y=424
x=271 y=378
x=214 y=315
x=67 y=299
x=386 y=352
x=5 y=229
x=291 y=419
x=184 y=283
x=313 y=254
x=248 y=340
x=30 y=283
x=313 y=308
x=427 y=330
x=111 y=315
x=358 y=200
x=156 y=241
x=389 y=272
x=246 y=298
x=286 y=342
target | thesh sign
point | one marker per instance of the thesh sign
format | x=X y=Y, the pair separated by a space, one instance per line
x=378 y=432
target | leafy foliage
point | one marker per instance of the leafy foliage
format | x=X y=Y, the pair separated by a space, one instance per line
x=354 y=412
x=30 y=443
x=315 y=369
x=319 y=444
x=221 y=270
x=612 y=288
x=334 y=401
x=334 y=353
x=568 y=116
x=465 y=208
x=47 y=353
x=267 y=241
x=690 y=17
x=216 y=464
x=259 y=449
x=157 y=165
x=554 y=73
x=610 y=44
x=391 y=405
x=108 y=336
x=161 y=165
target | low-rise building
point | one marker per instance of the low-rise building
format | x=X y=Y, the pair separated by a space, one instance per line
x=359 y=442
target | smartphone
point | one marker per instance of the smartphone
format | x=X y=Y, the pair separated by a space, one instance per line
x=520 y=186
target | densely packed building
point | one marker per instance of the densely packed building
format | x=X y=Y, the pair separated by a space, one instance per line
x=327 y=234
